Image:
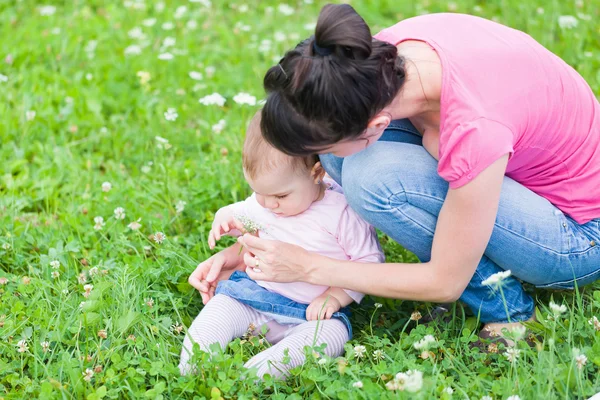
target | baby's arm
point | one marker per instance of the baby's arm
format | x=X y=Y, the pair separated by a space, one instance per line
x=323 y=307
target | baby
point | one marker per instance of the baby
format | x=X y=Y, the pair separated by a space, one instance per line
x=292 y=202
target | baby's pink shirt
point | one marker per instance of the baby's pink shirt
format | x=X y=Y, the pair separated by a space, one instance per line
x=502 y=92
x=329 y=227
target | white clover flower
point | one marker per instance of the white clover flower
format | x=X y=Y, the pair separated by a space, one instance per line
x=358 y=385
x=487 y=398
x=513 y=397
x=162 y=143
x=285 y=9
x=594 y=322
x=191 y=24
x=580 y=361
x=3 y=78
x=22 y=345
x=567 y=22
x=144 y=77
x=47 y=10
x=411 y=381
x=378 y=305
x=171 y=114
x=119 y=213
x=310 y=26
x=45 y=346
x=497 y=278
x=378 y=355
x=219 y=126
x=106 y=186
x=87 y=290
x=167 y=26
x=244 y=98
x=159 y=237
x=149 y=22
x=180 y=206
x=81 y=305
x=518 y=332
x=65 y=291
x=359 y=351
x=29 y=115
x=180 y=12
x=99 y=223
x=195 y=75
x=6 y=246
x=132 y=50
x=149 y=302
x=424 y=343
x=168 y=42
x=55 y=274
x=210 y=71
x=166 y=56
x=135 y=225
x=279 y=36
x=557 y=309
x=214 y=99
x=448 y=390
x=322 y=361
x=88 y=374
x=93 y=271
x=512 y=354
x=265 y=46
x=89 y=76
x=136 y=33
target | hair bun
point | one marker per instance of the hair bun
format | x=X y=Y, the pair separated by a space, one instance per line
x=342 y=31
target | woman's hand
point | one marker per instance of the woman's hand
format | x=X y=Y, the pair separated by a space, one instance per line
x=272 y=260
x=208 y=273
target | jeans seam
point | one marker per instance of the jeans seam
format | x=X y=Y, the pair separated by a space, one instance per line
x=530 y=241
x=397 y=208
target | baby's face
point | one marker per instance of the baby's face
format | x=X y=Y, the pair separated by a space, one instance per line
x=285 y=192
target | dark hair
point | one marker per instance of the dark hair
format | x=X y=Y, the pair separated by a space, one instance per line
x=329 y=87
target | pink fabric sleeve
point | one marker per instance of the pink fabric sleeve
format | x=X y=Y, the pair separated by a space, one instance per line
x=359 y=241
x=472 y=147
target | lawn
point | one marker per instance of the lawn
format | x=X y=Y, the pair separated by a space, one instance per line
x=120 y=136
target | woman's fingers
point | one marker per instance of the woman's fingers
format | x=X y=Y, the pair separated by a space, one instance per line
x=253 y=243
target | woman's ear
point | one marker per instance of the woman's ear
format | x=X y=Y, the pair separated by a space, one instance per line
x=379 y=122
x=317 y=173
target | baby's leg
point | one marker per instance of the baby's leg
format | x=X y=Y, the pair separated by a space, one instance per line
x=331 y=331
x=220 y=321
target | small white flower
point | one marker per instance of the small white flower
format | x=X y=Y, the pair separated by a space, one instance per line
x=580 y=360
x=119 y=213
x=146 y=169
x=512 y=354
x=99 y=223
x=279 y=36
x=168 y=42
x=133 y=50
x=448 y=390
x=487 y=398
x=159 y=237
x=135 y=225
x=6 y=246
x=55 y=274
x=424 y=343
x=47 y=10
x=167 y=26
x=310 y=26
x=567 y=22
x=149 y=302
x=378 y=305
x=29 y=115
x=210 y=71
x=285 y=9
x=205 y=3
x=88 y=374
x=65 y=291
x=358 y=385
x=23 y=347
x=219 y=126
x=166 y=56
x=191 y=24
x=518 y=332
x=212 y=100
x=497 y=278
x=171 y=114
x=106 y=186
x=93 y=271
x=411 y=381
x=195 y=75
x=539 y=10
x=45 y=346
x=180 y=12
x=557 y=309
x=378 y=355
x=594 y=322
x=159 y=7
x=81 y=305
x=245 y=98
x=89 y=76
x=513 y=397
x=3 y=78
x=265 y=46
x=359 y=351
x=322 y=361
x=149 y=22
x=180 y=206
x=136 y=33
x=87 y=290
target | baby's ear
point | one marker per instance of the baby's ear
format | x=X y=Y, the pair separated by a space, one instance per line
x=317 y=173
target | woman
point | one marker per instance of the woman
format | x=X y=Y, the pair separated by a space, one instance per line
x=465 y=141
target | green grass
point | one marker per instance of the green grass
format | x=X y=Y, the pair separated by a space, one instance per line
x=96 y=121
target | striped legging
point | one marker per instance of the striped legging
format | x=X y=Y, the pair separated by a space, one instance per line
x=224 y=319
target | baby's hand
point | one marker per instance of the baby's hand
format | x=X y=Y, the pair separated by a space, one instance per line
x=223 y=224
x=322 y=307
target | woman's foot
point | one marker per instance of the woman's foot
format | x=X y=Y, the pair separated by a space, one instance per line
x=494 y=333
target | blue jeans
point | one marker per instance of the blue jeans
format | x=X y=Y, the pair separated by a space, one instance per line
x=242 y=288
x=394 y=185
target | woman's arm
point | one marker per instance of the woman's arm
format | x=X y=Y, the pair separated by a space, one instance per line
x=464 y=227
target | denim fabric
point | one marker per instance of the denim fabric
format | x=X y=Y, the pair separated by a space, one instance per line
x=280 y=308
x=531 y=237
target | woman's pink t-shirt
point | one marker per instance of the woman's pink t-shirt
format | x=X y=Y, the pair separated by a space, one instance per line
x=502 y=92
